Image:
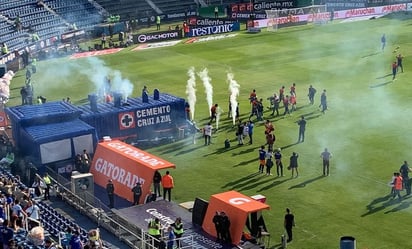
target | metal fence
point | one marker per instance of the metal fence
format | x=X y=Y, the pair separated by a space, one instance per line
x=95 y=209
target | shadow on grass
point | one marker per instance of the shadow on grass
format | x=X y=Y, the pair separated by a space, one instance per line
x=371 y=54
x=403 y=204
x=387 y=201
x=380 y=84
x=382 y=77
x=275 y=183
x=303 y=184
x=173 y=146
x=257 y=183
x=289 y=145
x=229 y=184
x=247 y=163
x=189 y=150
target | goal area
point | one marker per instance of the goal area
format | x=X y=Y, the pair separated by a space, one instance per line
x=316 y=14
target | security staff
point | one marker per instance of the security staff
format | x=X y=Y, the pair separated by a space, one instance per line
x=178 y=231
x=154 y=231
x=47 y=181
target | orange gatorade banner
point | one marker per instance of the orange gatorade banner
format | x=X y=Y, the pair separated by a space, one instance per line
x=237 y=207
x=125 y=165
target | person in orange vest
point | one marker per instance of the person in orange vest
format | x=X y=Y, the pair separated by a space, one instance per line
x=398 y=186
x=168 y=184
x=186 y=29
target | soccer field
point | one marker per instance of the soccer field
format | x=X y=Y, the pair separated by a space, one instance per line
x=366 y=127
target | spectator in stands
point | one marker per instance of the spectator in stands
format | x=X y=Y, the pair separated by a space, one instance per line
x=33 y=211
x=94 y=240
x=216 y=12
x=17 y=225
x=17 y=210
x=36 y=236
x=12 y=244
x=75 y=241
x=37 y=187
x=49 y=244
x=7 y=160
x=17 y=23
x=4 y=48
x=6 y=233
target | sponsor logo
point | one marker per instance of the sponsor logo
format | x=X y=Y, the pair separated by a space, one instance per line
x=210 y=22
x=360 y=12
x=136 y=154
x=210 y=38
x=143 y=38
x=209 y=30
x=393 y=8
x=239 y=201
x=156 y=45
x=126 y=120
x=117 y=173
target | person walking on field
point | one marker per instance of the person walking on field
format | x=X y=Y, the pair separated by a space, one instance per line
x=278 y=161
x=168 y=184
x=404 y=170
x=289 y=223
x=394 y=70
x=311 y=94
x=294 y=164
x=399 y=62
x=302 y=128
x=325 y=155
x=397 y=186
x=262 y=158
x=323 y=101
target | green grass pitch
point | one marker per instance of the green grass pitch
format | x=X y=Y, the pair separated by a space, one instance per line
x=367 y=126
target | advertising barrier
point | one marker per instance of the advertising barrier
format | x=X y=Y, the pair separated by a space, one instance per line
x=341 y=14
x=212 y=30
x=125 y=165
x=237 y=207
x=157 y=36
x=261 y=6
x=198 y=21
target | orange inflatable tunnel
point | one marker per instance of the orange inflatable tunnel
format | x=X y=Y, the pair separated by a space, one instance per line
x=125 y=165
x=237 y=207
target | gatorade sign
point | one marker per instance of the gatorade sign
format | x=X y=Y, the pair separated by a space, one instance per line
x=237 y=207
x=125 y=165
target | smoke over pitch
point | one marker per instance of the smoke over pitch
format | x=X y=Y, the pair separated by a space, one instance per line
x=98 y=72
x=191 y=91
x=234 y=93
x=204 y=76
x=93 y=70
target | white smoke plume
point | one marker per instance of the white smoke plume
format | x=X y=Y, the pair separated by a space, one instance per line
x=219 y=112
x=98 y=73
x=204 y=76
x=121 y=85
x=234 y=93
x=191 y=91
